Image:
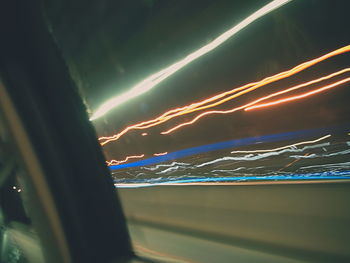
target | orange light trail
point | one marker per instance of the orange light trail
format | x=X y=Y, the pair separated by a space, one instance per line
x=252 y=86
x=160 y=154
x=301 y=96
x=293 y=162
x=244 y=89
x=249 y=106
x=187 y=109
x=115 y=162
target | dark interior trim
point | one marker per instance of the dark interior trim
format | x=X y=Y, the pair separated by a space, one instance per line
x=63 y=139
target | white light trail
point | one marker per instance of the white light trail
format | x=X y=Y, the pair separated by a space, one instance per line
x=328 y=165
x=311 y=156
x=164 y=165
x=261 y=154
x=151 y=81
x=284 y=147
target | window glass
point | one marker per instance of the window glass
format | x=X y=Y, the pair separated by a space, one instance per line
x=19 y=242
x=209 y=94
x=181 y=92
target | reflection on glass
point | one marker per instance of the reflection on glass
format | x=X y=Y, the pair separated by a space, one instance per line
x=19 y=241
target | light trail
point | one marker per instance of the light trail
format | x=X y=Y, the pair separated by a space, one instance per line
x=254 y=158
x=304 y=95
x=322 y=167
x=294 y=135
x=246 y=88
x=312 y=156
x=170 y=169
x=285 y=147
x=144 y=134
x=160 y=154
x=291 y=163
x=331 y=175
x=262 y=82
x=165 y=165
x=260 y=156
x=253 y=86
x=249 y=106
x=151 y=81
x=333 y=165
x=300 y=86
x=115 y=162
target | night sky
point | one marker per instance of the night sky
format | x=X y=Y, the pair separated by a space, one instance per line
x=109 y=46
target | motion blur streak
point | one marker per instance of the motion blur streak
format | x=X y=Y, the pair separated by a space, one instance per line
x=336 y=165
x=160 y=154
x=248 y=105
x=240 y=179
x=251 y=157
x=232 y=143
x=186 y=109
x=304 y=95
x=312 y=156
x=300 y=86
x=150 y=82
x=165 y=165
x=115 y=162
x=284 y=147
x=247 y=88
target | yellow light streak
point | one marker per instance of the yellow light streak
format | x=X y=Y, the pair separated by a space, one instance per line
x=153 y=80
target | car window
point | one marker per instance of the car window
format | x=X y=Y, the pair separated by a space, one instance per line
x=19 y=241
x=218 y=93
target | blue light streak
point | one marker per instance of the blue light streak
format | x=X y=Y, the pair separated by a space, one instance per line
x=334 y=175
x=233 y=144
